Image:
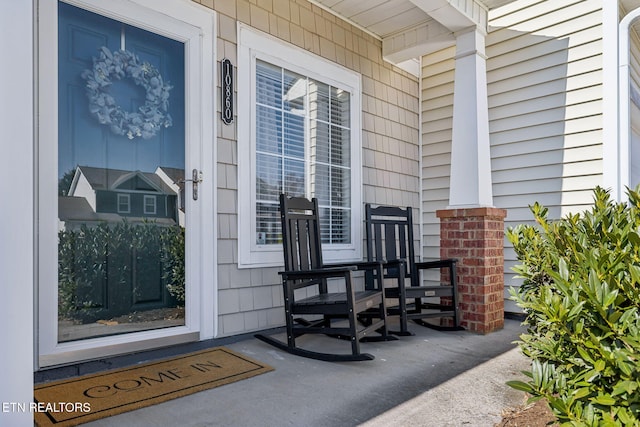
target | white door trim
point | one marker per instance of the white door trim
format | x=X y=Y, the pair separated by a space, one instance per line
x=17 y=226
x=195 y=26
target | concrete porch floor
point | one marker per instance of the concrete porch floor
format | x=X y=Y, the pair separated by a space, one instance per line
x=433 y=378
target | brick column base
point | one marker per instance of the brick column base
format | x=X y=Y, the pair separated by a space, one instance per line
x=475 y=236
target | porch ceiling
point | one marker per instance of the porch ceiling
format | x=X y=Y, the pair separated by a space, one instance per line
x=410 y=28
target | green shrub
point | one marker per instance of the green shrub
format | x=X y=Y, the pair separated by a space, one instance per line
x=172 y=258
x=581 y=295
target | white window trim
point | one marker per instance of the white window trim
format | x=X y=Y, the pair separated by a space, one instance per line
x=252 y=45
x=144 y=205
x=122 y=200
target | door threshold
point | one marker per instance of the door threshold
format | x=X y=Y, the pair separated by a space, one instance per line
x=54 y=373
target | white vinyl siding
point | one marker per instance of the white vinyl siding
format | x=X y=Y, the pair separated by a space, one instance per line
x=544 y=83
x=437 y=117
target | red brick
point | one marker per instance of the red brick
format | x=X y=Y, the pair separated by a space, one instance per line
x=476 y=237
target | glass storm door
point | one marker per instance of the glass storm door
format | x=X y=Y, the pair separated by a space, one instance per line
x=121 y=175
x=122 y=206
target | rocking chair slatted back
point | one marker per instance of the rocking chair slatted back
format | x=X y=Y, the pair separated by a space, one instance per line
x=390 y=237
x=301 y=230
x=390 y=240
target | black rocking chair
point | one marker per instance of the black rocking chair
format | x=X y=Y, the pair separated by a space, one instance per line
x=335 y=313
x=390 y=240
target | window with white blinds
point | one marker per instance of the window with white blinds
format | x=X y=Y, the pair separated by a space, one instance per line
x=299 y=134
x=302 y=148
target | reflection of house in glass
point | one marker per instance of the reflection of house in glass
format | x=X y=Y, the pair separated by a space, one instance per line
x=111 y=195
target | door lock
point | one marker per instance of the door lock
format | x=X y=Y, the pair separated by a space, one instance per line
x=196 y=177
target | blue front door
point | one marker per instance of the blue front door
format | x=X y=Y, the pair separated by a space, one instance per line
x=121 y=160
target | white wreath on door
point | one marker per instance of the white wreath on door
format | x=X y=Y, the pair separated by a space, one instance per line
x=120 y=64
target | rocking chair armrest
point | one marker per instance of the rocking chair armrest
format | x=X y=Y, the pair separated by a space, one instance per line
x=448 y=262
x=317 y=273
x=360 y=265
x=393 y=262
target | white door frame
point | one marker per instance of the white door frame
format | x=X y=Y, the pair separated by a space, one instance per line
x=193 y=25
x=17 y=225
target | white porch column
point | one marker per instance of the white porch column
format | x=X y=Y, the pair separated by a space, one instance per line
x=470 y=157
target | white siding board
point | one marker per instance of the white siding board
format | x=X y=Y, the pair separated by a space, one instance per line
x=436 y=172
x=438 y=183
x=440 y=194
x=446 y=112
x=441 y=80
x=505 y=40
x=569 y=112
x=522 y=215
x=434 y=205
x=438 y=148
x=584 y=168
x=440 y=67
x=534 y=173
x=437 y=160
x=438 y=125
x=567 y=209
x=432 y=229
x=438 y=56
x=559 y=73
x=432 y=92
x=436 y=103
x=546 y=144
x=510 y=8
x=563 y=156
x=591 y=80
x=518 y=215
x=526 y=65
x=543 y=48
x=546 y=130
x=545 y=102
x=547 y=199
x=438 y=137
x=547 y=185
x=518 y=206
x=541 y=15
x=432 y=252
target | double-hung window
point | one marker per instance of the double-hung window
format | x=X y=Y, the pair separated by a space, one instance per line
x=149 y=205
x=124 y=203
x=299 y=134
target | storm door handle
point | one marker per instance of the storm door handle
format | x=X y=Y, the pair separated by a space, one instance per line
x=196 y=177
